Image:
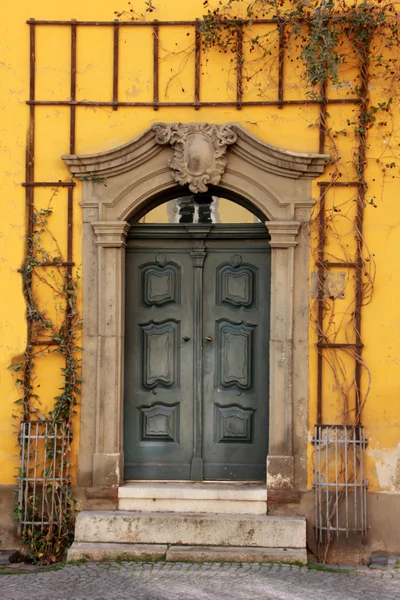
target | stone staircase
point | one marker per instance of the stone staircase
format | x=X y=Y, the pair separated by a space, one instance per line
x=189 y=522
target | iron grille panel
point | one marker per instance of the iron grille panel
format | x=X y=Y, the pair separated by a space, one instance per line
x=44 y=481
x=340 y=484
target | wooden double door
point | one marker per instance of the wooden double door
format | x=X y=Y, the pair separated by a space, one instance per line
x=197 y=352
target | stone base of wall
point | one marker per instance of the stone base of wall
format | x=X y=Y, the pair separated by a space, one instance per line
x=8 y=528
x=383 y=510
x=87 y=499
x=383 y=516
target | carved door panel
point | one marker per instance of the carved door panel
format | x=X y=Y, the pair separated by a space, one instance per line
x=235 y=361
x=158 y=420
x=197 y=352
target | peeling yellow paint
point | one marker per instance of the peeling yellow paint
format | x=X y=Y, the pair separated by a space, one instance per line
x=387 y=467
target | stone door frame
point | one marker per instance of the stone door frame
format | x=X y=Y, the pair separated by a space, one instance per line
x=129 y=180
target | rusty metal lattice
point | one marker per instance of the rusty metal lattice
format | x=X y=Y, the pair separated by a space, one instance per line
x=280 y=102
x=156 y=103
x=44 y=480
x=339 y=481
x=326 y=494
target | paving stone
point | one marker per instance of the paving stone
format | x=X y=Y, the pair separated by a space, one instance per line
x=394 y=560
x=180 y=581
x=379 y=558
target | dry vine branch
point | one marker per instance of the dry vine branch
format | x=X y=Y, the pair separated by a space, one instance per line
x=51 y=497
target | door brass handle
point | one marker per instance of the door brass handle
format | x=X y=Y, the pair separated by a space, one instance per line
x=208 y=338
x=186 y=338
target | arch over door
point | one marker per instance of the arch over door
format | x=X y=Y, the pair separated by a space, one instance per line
x=278 y=184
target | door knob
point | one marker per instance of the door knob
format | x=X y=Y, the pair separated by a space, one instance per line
x=208 y=338
x=186 y=338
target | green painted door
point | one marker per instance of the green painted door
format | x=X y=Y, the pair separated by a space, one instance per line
x=158 y=423
x=196 y=352
x=235 y=361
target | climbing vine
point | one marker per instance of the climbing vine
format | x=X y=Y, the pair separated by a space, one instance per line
x=325 y=39
x=45 y=509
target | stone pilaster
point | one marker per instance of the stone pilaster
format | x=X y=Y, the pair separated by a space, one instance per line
x=108 y=457
x=280 y=456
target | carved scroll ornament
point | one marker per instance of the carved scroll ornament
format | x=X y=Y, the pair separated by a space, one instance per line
x=199 y=151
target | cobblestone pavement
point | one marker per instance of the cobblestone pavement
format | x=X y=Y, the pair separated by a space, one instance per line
x=184 y=581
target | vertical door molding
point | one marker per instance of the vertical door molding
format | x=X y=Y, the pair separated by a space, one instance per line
x=280 y=462
x=108 y=455
x=198 y=255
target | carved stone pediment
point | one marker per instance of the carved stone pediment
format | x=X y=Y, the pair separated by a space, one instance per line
x=199 y=151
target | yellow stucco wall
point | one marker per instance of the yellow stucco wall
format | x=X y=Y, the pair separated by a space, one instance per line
x=100 y=128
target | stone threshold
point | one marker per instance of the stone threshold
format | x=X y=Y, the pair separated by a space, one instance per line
x=187 y=497
x=95 y=552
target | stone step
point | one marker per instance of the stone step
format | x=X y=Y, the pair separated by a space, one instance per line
x=183 y=529
x=216 y=498
x=97 y=551
x=235 y=554
x=8 y=556
x=93 y=551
